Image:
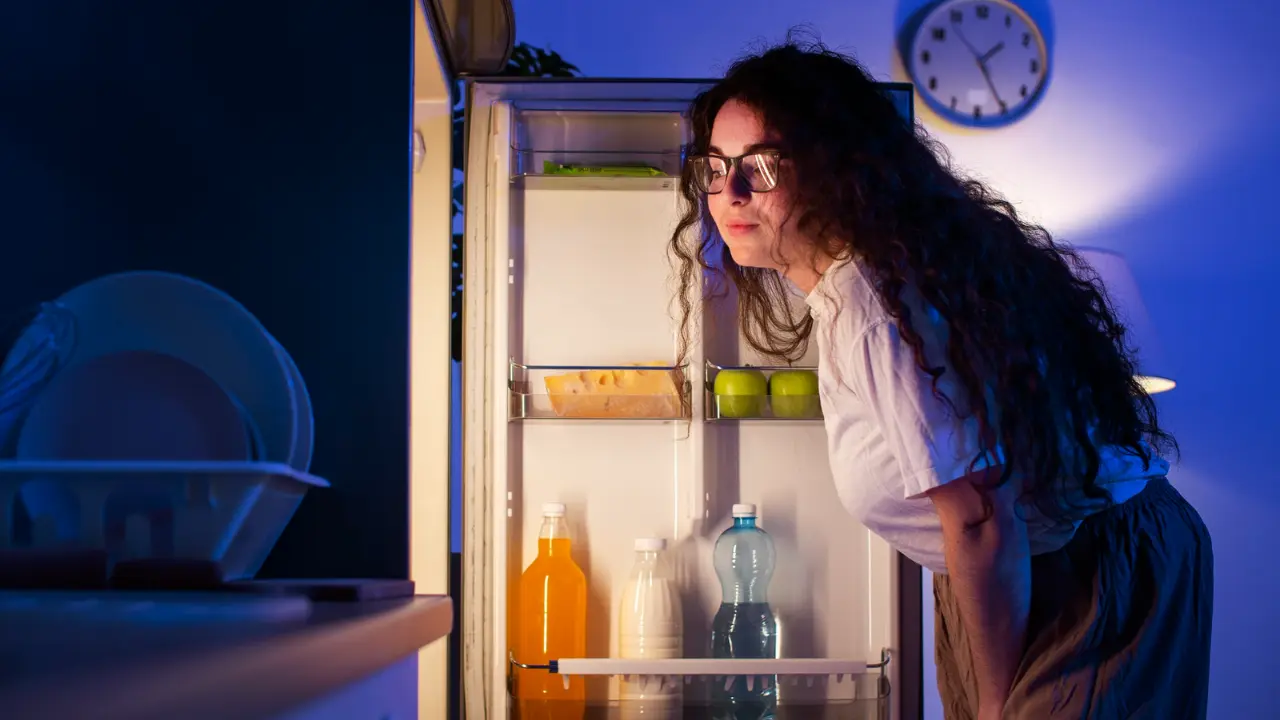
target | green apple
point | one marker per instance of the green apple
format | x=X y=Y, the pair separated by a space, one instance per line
x=795 y=394
x=740 y=392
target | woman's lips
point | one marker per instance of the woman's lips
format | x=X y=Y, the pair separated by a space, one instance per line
x=740 y=228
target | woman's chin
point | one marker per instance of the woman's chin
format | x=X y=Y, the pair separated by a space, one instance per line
x=751 y=257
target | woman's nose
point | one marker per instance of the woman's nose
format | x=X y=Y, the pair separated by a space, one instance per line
x=737 y=188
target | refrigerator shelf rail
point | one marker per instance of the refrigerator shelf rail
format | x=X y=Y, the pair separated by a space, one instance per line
x=766 y=406
x=526 y=404
x=703 y=669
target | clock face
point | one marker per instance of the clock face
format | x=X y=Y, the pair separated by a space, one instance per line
x=978 y=62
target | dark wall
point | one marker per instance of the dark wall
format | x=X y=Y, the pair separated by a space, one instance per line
x=261 y=146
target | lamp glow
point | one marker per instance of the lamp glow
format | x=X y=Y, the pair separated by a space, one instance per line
x=1113 y=270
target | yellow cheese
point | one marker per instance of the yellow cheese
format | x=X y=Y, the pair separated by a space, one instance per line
x=616 y=393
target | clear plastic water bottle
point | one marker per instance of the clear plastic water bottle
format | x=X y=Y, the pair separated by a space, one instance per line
x=745 y=627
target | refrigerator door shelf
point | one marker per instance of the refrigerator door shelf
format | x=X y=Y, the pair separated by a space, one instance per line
x=860 y=683
x=689 y=667
x=553 y=181
x=769 y=405
x=599 y=141
x=596 y=163
x=531 y=401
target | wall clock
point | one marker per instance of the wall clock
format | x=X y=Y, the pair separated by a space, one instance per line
x=977 y=63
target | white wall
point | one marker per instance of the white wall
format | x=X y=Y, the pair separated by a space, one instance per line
x=1157 y=138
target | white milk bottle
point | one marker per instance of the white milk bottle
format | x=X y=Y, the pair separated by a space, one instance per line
x=650 y=627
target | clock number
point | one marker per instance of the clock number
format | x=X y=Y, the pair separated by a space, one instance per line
x=1022 y=91
x=925 y=56
x=956 y=16
x=1026 y=39
x=939 y=33
x=1008 y=20
x=977 y=112
x=982 y=11
x=933 y=83
x=953 y=102
x=1035 y=66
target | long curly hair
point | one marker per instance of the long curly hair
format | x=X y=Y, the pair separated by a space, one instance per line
x=1031 y=327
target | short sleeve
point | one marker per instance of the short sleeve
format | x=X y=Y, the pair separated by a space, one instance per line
x=931 y=443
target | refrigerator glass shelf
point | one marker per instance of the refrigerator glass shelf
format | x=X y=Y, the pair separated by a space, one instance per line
x=639 y=164
x=698 y=708
x=525 y=404
x=847 y=688
x=763 y=405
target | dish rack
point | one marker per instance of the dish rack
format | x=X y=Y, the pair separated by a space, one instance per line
x=231 y=513
x=43 y=338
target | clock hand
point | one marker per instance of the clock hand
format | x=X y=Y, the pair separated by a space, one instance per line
x=955 y=27
x=991 y=85
x=988 y=54
x=981 y=60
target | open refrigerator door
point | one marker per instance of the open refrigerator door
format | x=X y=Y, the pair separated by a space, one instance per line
x=449 y=38
x=571 y=200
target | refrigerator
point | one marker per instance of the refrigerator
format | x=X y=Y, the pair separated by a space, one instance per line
x=565 y=273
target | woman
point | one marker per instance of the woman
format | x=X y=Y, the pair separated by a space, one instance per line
x=980 y=401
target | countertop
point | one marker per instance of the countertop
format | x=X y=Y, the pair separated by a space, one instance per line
x=144 y=655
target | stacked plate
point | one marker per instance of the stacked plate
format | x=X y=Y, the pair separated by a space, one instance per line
x=151 y=367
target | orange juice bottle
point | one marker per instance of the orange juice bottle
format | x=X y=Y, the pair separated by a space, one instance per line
x=551 y=615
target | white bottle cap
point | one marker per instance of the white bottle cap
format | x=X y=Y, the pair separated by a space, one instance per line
x=650 y=544
x=744 y=510
x=553 y=509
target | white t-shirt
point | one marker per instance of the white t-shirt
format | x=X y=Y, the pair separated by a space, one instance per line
x=890 y=439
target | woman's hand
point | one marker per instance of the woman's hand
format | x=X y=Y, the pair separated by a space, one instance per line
x=989 y=564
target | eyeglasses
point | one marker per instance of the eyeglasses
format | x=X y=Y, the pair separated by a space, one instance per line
x=759 y=170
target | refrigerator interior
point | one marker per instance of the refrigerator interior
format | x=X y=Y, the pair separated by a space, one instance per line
x=565 y=272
